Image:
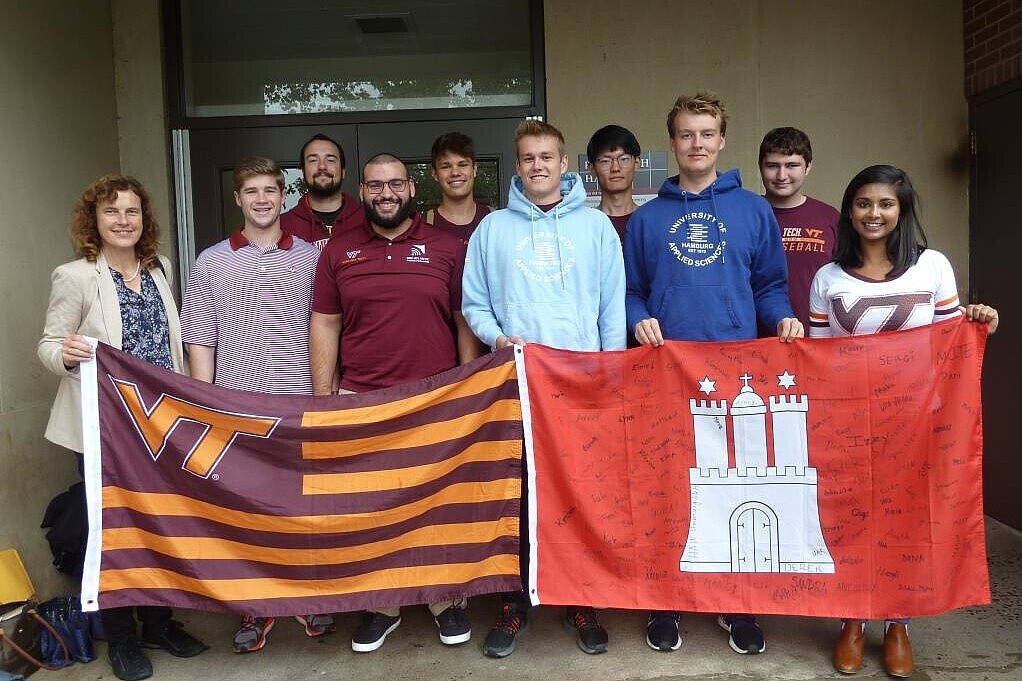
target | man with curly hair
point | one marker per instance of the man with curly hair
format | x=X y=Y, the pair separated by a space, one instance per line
x=119 y=292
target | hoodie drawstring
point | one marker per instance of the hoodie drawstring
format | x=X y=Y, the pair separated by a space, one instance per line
x=716 y=216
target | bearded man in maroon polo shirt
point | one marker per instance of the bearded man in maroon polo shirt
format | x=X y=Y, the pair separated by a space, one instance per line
x=389 y=293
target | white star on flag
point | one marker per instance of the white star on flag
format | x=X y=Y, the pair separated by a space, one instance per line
x=786 y=380
x=707 y=386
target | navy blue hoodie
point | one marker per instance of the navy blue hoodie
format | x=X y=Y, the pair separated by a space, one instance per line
x=706 y=265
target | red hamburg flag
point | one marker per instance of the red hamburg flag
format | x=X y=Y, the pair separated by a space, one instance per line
x=837 y=477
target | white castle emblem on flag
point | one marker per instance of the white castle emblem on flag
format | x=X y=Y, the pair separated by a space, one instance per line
x=753 y=517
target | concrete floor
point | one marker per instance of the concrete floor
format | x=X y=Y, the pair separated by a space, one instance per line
x=966 y=645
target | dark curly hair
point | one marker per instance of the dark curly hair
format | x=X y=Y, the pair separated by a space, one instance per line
x=85 y=237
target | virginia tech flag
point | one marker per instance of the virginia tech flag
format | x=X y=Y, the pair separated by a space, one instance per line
x=214 y=499
x=837 y=477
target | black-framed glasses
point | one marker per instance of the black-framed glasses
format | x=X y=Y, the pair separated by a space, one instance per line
x=396 y=185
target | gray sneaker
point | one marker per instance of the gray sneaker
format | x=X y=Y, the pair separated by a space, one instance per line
x=316 y=625
x=251 y=636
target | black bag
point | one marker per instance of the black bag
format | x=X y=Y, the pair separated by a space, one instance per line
x=71 y=626
x=68 y=529
x=20 y=650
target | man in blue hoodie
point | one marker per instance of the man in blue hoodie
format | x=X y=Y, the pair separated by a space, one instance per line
x=546 y=269
x=704 y=262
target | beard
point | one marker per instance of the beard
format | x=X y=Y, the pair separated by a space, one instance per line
x=388 y=222
x=324 y=191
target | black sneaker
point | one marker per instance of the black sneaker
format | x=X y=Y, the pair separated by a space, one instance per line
x=590 y=636
x=454 y=627
x=174 y=639
x=662 y=631
x=373 y=631
x=129 y=661
x=503 y=637
x=746 y=636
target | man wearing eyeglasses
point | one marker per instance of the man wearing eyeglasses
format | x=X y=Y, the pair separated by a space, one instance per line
x=389 y=292
x=613 y=154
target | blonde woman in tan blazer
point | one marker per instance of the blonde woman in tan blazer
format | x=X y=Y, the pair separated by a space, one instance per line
x=118 y=291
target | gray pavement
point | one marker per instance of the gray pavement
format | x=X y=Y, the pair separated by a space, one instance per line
x=974 y=644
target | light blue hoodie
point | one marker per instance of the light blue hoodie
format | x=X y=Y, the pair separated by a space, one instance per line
x=555 y=278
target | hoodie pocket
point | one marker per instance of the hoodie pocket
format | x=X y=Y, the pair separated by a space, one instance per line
x=698 y=313
x=554 y=324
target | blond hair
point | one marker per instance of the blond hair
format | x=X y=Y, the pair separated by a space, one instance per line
x=534 y=128
x=702 y=102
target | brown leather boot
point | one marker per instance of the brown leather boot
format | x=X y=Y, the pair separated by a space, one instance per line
x=848 y=649
x=898 y=651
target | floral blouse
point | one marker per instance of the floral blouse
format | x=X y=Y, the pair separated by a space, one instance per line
x=145 y=333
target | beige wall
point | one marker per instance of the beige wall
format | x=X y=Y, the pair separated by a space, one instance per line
x=59 y=133
x=871 y=82
x=142 y=126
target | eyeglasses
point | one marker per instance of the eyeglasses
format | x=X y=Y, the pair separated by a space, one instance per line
x=376 y=186
x=623 y=160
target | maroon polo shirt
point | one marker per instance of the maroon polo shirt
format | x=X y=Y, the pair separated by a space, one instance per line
x=396 y=300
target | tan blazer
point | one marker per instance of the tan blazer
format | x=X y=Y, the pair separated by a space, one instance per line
x=83 y=300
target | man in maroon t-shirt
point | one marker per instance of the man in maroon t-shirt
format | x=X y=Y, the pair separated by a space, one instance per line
x=389 y=293
x=808 y=227
x=454 y=169
x=325 y=209
x=613 y=154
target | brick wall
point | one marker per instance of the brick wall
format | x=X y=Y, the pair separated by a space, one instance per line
x=993 y=43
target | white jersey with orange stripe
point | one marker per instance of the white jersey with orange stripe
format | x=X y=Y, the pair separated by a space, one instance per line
x=845 y=304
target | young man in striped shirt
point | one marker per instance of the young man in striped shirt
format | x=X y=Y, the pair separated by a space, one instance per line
x=245 y=320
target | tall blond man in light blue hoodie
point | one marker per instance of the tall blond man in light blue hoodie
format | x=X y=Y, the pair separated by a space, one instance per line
x=546 y=269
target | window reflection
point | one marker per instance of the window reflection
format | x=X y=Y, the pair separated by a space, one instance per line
x=263 y=57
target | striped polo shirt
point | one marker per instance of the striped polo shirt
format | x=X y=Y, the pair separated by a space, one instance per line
x=253 y=306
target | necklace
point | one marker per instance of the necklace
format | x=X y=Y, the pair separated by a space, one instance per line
x=138 y=270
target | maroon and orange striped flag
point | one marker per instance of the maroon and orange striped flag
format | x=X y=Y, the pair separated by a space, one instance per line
x=269 y=505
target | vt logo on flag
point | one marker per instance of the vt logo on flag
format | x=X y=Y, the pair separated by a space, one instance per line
x=202 y=497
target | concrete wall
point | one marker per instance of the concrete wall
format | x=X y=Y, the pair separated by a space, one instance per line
x=142 y=126
x=59 y=127
x=871 y=82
